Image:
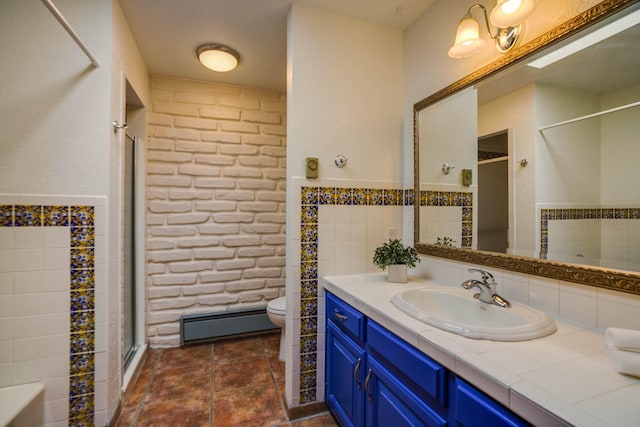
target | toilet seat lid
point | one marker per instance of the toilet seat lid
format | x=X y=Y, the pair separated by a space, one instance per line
x=278 y=305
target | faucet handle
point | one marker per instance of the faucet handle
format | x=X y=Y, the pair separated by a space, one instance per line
x=486 y=276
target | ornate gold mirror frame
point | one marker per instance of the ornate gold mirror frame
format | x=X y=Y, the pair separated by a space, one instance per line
x=586 y=275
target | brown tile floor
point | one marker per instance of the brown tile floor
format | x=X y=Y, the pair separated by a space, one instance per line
x=237 y=382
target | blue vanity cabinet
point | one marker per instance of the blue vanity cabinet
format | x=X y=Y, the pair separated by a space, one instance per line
x=472 y=408
x=420 y=374
x=343 y=386
x=346 y=318
x=376 y=379
x=392 y=403
x=345 y=360
x=363 y=387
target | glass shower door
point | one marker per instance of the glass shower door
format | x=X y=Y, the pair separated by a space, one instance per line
x=129 y=261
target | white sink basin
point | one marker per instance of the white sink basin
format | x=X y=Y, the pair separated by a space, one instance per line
x=456 y=310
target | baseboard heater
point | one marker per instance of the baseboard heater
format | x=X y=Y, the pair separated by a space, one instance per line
x=207 y=327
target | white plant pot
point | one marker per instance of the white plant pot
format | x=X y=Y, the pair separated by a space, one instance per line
x=397 y=273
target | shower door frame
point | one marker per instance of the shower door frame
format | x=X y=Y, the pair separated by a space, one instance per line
x=131 y=280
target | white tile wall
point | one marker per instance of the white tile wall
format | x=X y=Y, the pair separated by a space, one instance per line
x=610 y=243
x=34 y=305
x=347 y=237
x=584 y=305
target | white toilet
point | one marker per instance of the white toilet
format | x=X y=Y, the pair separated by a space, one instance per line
x=277 y=312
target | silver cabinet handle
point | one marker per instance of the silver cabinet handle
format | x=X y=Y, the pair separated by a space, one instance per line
x=339 y=315
x=366 y=384
x=355 y=373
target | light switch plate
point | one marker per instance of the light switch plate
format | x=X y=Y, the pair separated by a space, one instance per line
x=467 y=177
x=311 y=167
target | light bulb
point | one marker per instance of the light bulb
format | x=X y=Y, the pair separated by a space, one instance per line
x=467 y=38
x=510 y=6
x=511 y=13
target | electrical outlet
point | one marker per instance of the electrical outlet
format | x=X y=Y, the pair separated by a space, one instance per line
x=392 y=233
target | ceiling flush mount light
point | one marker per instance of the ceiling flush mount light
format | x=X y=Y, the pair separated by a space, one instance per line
x=508 y=17
x=218 y=57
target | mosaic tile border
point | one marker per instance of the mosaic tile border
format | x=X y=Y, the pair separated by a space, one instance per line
x=311 y=198
x=463 y=199
x=547 y=215
x=81 y=223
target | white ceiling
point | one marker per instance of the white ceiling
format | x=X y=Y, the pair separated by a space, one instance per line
x=169 y=31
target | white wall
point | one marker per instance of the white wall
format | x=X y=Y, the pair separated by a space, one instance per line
x=451 y=129
x=58 y=142
x=344 y=96
x=450 y=132
x=620 y=149
x=55 y=104
x=567 y=157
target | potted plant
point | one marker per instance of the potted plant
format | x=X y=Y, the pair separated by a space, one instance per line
x=397 y=257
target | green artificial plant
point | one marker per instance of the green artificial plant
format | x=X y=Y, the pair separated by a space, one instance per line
x=394 y=252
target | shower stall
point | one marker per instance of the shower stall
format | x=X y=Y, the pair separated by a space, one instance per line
x=129 y=250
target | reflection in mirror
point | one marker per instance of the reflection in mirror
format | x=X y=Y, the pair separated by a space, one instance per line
x=552 y=153
x=493 y=192
x=446 y=205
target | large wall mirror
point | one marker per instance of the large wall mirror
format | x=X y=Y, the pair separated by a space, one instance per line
x=532 y=163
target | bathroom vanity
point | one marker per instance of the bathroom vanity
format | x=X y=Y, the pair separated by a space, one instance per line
x=374 y=378
x=384 y=367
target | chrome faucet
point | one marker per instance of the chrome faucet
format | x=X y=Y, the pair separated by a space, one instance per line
x=487 y=288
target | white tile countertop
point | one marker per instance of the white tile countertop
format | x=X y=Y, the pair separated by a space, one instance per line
x=562 y=379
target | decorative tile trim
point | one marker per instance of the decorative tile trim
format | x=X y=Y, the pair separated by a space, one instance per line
x=310 y=200
x=80 y=220
x=547 y=215
x=462 y=199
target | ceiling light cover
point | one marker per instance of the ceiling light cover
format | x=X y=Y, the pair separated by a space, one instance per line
x=218 y=57
x=468 y=39
x=510 y=13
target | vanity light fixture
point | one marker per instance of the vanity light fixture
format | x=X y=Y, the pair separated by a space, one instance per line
x=508 y=17
x=217 y=57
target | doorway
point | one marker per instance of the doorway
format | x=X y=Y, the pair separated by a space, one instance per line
x=493 y=192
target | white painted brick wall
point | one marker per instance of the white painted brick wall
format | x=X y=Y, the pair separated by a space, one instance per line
x=215 y=201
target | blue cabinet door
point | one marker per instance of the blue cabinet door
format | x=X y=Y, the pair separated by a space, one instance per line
x=473 y=408
x=345 y=362
x=391 y=403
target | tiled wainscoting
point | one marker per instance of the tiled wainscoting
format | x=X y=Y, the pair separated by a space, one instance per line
x=339 y=229
x=597 y=236
x=51 y=327
x=436 y=224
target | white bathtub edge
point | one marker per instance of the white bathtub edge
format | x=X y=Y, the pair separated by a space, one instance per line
x=14 y=399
